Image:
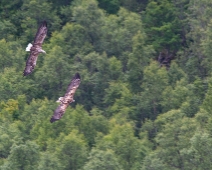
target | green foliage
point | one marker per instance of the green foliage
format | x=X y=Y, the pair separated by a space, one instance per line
x=104 y=159
x=133 y=5
x=198 y=155
x=87 y=125
x=49 y=161
x=74 y=36
x=45 y=76
x=7 y=30
x=12 y=109
x=138 y=59
x=72 y=151
x=153 y=162
x=175 y=130
x=175 y=74
x=154 y=82
x=130 y=112
x=10 y=134
x=196 y=60
x=118 y=32
x=127 y=147
x=90 y=17
x=206 y=47
x=5 y=55
x=33 y=12
x=11 y=84
x=116 y=68
x=206 y=106
x=23 y=156
x=8 y=8
x=111 y=7
x=172 y=100
x=120 y=100
x=166 y=31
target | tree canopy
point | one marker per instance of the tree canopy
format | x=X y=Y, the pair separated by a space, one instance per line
x=144 y=102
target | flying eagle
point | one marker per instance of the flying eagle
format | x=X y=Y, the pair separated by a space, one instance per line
x=67 y=99
x=35 y=48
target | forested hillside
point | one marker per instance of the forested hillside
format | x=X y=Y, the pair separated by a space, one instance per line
x=145 y=98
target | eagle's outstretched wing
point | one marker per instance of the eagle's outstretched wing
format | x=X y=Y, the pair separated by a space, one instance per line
x=67 y=99
x=35 y=49
x=31 y=63
x=41 y=34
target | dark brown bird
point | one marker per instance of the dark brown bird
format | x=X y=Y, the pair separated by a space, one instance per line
x=67 y=99
x=35 y=48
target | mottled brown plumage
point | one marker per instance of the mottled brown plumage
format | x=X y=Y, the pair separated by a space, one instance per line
x=35 y=49
x=67 y=99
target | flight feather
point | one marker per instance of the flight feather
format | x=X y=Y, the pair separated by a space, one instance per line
x=67 y=99
x=35 y=48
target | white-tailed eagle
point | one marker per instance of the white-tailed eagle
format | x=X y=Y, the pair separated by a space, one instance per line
x=67 y=99
x=35 y=48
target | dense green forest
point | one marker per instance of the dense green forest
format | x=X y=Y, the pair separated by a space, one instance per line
x=145 y=98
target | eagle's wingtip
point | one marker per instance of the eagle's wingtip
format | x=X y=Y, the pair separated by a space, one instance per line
x=44 y=23
x=53 y=120
x=77 y=76
x=24 y=74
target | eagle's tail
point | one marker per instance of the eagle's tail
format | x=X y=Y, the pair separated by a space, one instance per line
x=60 y=100
x=29 y=47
